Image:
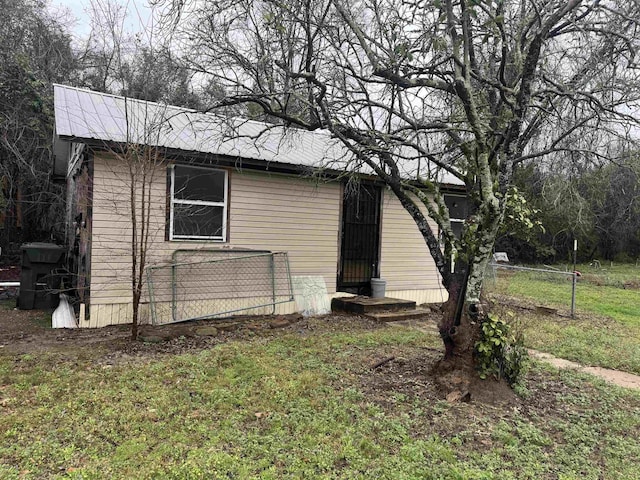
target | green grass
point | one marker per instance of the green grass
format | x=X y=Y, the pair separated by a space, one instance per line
x=589 y=341
x=7 y=304
x=612 y=274
x=296 y=407
x=606 y=331
x=42 y=319
x=617 y=303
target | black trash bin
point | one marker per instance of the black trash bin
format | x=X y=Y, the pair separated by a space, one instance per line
x=39 y=278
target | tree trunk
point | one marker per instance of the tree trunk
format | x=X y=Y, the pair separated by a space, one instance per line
x=463 y=313
x=457 y=329
x=136 y=314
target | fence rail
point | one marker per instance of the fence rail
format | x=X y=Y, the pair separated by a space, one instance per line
x=536 y=278
x=218 y=284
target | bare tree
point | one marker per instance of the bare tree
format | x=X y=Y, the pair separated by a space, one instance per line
x=135 y=68
x=142 y=163
x=466 y=89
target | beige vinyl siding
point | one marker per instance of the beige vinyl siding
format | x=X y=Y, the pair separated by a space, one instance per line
x=110 y=314
x=266 y=212
x=431 y=295
x=405 y=261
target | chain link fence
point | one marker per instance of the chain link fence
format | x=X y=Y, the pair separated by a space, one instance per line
x=207 y=284
x=546 y=287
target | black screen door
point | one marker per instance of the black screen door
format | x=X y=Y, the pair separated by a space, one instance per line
x=360 y=241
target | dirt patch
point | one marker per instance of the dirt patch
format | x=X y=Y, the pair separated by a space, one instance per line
x=503 y=303
x=593 y=279
x=422 y=376
x=28 y=331
x=408 y=376
x=19 y=324
x=405 y=386
x=632 y=285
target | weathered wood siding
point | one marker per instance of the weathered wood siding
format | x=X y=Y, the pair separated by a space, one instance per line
x=78 y=228
x=405 y=261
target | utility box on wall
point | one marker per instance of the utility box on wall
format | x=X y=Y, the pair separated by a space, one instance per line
x=39 y=279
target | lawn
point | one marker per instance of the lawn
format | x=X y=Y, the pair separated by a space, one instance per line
x=622 y=305
x=611 y=273
x=606 y=330
x=300 y=403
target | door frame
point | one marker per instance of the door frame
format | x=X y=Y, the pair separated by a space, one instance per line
x=363 y=285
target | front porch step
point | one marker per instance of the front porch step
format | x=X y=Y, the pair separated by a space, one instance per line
x=417 y=314
x=365 y=305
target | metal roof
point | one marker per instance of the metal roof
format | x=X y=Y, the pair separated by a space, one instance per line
x=82 y=114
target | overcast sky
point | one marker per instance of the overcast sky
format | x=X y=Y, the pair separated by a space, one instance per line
x=79 y=22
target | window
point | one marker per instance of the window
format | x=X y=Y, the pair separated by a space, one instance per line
x=457 y=206
x=198 y=204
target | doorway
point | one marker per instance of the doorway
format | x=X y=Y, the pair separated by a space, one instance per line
x=360 y=239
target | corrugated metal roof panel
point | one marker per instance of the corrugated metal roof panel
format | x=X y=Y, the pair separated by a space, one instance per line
x=85 y=114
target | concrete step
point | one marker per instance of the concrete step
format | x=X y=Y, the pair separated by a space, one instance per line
x=420 y=313
x=365 y=305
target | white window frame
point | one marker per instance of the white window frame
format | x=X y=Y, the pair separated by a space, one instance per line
x=223 y=204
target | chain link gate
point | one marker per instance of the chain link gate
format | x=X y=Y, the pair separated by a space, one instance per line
x=218 y=284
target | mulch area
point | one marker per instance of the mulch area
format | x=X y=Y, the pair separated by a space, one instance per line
x=27 y=331
x=418 y=374
x=398 y=385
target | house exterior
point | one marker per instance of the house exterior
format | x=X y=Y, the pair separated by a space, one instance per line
x=220 y=186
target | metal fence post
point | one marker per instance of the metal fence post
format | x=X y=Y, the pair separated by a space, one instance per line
x=273 y=281
x=288 y=273
x=575 y=279
x=573 y=294
x=152 y=303
x=174 y=287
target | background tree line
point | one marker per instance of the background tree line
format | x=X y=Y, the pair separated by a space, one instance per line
x=35 y=51
x=598 y=205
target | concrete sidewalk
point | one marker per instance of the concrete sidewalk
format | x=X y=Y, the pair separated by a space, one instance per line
x=622 y=379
